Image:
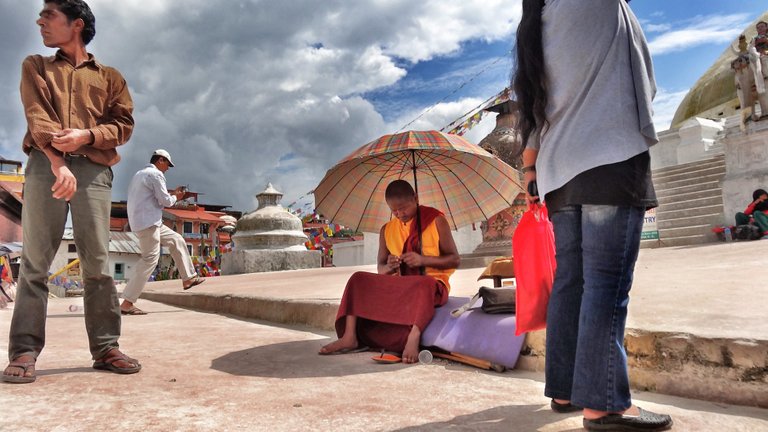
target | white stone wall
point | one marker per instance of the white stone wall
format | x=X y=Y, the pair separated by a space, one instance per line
x=62 y=257
x=697 y=139
x=746 y=165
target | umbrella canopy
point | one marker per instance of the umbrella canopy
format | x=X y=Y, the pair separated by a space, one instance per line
x=448 y=172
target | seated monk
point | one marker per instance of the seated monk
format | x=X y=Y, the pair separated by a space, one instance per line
x=389 y=310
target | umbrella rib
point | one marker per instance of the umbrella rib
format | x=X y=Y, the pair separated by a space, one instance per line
x=442 y=191
x=370 y=197
x=341 y=206
x=485 y=180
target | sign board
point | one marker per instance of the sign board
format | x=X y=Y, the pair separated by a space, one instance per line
x=650 y=230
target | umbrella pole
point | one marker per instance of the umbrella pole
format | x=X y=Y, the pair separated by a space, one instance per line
x=418 y=211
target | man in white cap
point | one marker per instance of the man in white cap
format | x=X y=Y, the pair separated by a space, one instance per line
x=147 y=196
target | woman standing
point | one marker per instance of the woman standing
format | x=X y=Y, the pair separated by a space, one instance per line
x=584 y=84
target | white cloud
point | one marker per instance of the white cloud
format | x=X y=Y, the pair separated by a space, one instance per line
x=698 y=31
x=664 y=106
x=246 y=92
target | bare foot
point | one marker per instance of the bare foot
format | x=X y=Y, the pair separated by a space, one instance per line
x=411 y=351
x=591 y=414
x=21 y=371
x=339 y=345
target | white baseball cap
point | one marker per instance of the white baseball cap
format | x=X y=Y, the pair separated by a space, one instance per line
x=165 y=154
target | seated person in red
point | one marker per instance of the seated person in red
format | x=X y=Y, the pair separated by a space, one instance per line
x=389 y=310
x=757 y=210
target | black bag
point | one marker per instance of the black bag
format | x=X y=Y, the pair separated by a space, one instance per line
x=747 y=232
x=495 y=301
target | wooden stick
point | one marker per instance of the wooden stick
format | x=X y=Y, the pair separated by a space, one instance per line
x=482 y=364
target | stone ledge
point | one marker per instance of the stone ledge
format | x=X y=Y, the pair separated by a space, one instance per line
x=733 y=371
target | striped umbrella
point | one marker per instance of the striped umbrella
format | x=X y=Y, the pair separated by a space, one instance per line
x=449 y=173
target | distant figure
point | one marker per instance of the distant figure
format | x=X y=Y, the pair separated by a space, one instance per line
x=389 y=310
x=760 y=41
x=756 y=211
x=147 y=196
x=78 y=110
x=584 y=83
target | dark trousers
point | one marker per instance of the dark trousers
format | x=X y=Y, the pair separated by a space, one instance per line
x=43 y=221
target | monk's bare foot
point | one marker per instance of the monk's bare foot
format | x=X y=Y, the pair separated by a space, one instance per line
x=411 y=351
x=339 y=345
x=20 y=370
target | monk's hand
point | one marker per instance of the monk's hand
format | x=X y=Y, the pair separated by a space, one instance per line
x=412 y=259
x=70 y=140
x=393 y=263
x=66 y=183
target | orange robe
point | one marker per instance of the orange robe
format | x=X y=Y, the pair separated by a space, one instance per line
x=387 y=306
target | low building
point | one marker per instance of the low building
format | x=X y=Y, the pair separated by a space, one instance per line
x=124 y=253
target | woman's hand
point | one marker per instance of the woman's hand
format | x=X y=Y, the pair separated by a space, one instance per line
x=530 y=180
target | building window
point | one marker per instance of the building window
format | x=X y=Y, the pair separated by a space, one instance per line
x=204 y=227
x=71 y=248
x=189 y=248
x=187 y=227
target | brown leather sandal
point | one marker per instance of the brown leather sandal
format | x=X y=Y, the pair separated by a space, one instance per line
x=108 y=364
x=197 y=280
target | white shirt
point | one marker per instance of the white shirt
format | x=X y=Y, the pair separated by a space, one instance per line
x=147 y=196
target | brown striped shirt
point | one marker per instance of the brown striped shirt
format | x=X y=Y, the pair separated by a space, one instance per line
x=91 y=96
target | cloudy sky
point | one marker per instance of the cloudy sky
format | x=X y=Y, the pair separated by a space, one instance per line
x=242 y=92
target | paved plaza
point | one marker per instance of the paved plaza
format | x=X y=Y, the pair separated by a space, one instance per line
x=214 y=372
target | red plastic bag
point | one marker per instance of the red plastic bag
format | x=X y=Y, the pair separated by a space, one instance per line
x=533 y=248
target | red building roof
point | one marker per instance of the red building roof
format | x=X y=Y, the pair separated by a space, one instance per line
x=193 y=215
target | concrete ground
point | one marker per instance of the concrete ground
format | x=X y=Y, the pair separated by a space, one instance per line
x=208 y=372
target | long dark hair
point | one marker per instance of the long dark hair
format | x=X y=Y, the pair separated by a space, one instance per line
x=530 y=80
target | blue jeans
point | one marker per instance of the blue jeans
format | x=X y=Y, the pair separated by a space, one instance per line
x=596 y=247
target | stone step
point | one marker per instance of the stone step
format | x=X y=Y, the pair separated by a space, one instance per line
x=692 y=196
x=711 y=219
x=687 y=231
x=662 y=186
x=716 y=161
x=691 y=174
x=664 y=214
x=691 y=205
x=708 y=185
x=690 y=240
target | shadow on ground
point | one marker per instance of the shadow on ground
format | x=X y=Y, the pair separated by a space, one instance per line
x=502 y=418
x=298 y=359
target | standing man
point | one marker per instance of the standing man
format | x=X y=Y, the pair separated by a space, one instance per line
x=147 y=196
x=78 y=111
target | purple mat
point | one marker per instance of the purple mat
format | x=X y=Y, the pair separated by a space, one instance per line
x=474 y=333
